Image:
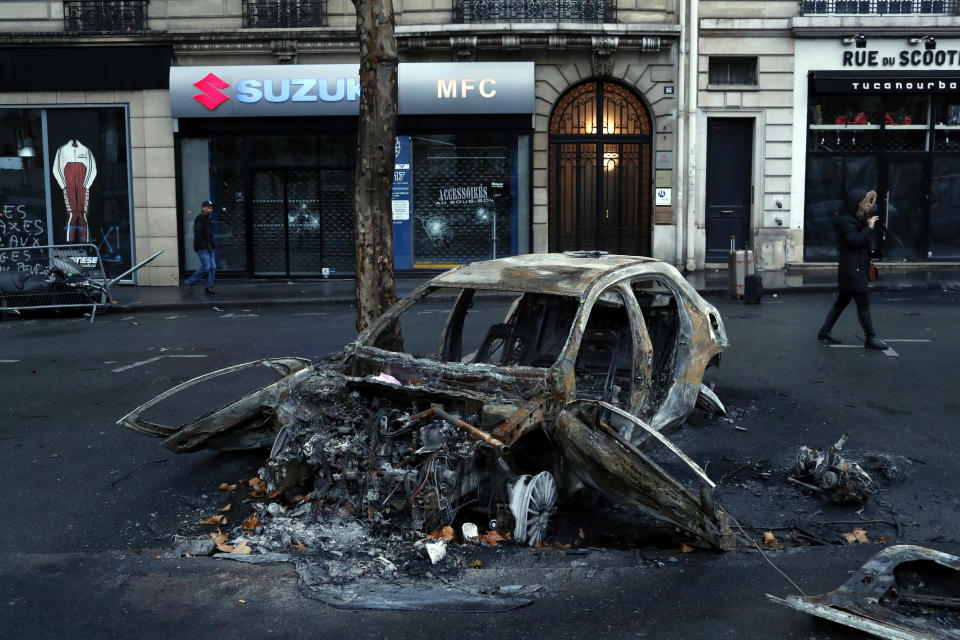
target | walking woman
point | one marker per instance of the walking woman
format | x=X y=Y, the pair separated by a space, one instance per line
x=854 y=238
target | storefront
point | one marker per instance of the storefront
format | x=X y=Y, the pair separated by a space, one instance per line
x=274 y=147
x=65 y=151
x=884 y=116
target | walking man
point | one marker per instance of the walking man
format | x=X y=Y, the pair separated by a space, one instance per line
x=204 y=246
x=854 y=236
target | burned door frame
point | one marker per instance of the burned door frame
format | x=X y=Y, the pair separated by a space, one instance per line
x=626 y=123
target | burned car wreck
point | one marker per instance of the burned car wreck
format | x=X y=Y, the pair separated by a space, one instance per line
x=521 y=380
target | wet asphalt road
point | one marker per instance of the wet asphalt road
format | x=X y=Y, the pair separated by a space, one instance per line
x=88 y=508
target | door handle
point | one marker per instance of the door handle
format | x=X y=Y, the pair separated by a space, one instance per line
x=726 y=211
x=607 y=213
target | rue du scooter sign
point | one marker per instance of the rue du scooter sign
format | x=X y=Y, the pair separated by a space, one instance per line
x=898 y=65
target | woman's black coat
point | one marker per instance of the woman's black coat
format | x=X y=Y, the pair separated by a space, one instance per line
x=853 y=244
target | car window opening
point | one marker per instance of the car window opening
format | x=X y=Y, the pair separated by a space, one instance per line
x=659 y=307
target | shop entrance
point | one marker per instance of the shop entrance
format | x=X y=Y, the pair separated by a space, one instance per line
x=904 y=209
x=599 y=171
x=301 y=221
x=729 y=185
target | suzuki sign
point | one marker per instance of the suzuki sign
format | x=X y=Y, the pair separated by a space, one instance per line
x=334 y=90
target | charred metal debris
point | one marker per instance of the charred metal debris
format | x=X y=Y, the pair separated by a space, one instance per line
x=905 y=592
x=826 y=472
x=521 y=381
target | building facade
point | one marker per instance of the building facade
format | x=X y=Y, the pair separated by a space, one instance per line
x=656 y=128
x=827 y=96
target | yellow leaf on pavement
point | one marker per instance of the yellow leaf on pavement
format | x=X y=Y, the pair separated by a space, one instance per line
x=857 y=535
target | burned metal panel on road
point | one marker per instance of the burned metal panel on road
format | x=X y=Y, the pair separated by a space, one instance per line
x=905 y=592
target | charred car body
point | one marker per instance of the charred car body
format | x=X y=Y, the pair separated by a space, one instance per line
x=521 y=379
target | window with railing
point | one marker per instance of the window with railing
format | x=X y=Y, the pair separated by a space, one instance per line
x=881 y=7
x=591 y=11
x=267 y=14
x=104 y=16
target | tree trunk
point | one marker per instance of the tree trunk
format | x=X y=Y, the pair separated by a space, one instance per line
x=373 y=174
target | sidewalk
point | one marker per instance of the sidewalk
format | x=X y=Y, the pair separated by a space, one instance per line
x=710 y=283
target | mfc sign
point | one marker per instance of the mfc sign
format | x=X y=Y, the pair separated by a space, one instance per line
x=316 y=90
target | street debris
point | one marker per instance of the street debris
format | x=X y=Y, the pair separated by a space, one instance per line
x=905 y=592
x=825 y=471
x=545 y=374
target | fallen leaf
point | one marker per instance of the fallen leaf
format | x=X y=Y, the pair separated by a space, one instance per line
x=303 y=498
x=250 y=524
x=296 y=545
x=220 y=539
x=242 y=548
x=241 y=601
x=857 y=535
x=685 y=548
x=491 y=538
x=136 y=324
x=769 y=539
x=226 y=508
x=218 y=519
x=447 y=533
x=258 y=487
x=55 y=455
x=476 y=564
x=275 y=493
x=227 y=487
x=560 y=545
x=583 y=536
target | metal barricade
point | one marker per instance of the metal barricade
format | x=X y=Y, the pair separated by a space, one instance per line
x=53 y=277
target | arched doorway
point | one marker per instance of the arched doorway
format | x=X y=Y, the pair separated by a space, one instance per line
x=599 y=175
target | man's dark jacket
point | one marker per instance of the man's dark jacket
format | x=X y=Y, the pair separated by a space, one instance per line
x=854 y=238
x=202 y=233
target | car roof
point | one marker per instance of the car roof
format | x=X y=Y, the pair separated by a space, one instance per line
x=566 y=274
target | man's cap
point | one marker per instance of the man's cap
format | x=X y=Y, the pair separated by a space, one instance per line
x=206 y=203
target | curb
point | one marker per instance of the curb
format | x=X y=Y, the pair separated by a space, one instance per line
x=341 y=300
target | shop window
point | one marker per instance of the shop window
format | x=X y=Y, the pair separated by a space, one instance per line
x=23 y=215
x=285 y=200
x=466 y=195
x=945 y=210
x=89 y=202
x=732 y=70
x=270 y=14
x=947 y=124
x=827 y=181
x=844 y=123
x=104 y=16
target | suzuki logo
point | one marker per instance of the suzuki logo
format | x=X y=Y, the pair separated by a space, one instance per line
x=211 y=98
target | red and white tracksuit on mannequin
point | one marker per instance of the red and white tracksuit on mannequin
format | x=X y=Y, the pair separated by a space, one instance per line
x=75 y=170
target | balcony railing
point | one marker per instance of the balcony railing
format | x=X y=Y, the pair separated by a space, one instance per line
x=267 y=14
x=880 y=7
x=104 y=16
x=589 y=11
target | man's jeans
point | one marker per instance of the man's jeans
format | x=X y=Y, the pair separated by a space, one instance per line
x=208 y=267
